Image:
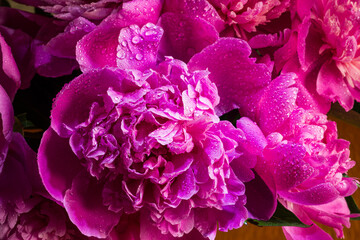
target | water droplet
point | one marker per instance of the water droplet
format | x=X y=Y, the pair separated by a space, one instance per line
x=124 y=43
x=150 y=32
x=139 y=56
x=136 y=40
x=207 y=8
x=121 y=54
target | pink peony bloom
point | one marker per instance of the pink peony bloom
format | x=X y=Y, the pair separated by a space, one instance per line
x=69 y=10
x=37 y=44
x=146 y=139
x=25 y=213
x=303 y=161
x=232 y=17
x=326 y=54
x=245 y=15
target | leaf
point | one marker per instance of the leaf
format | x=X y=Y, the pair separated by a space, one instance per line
x=352 y=206
x=281 y=217
x=25 y=122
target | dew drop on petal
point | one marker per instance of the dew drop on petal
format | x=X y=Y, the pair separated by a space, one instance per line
x=139 y=56
x=121 y=54
x=136 y=40
x=150 y=32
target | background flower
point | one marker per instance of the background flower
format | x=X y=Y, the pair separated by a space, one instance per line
x=326 y=54
x=303 y=161
x=93 y=9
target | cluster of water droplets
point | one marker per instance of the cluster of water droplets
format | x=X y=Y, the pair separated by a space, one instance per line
x=137 y=43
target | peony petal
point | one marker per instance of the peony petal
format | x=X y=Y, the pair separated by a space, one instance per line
x=63 y=45
x=137 y=47
x=9 y=72
x=289 y=167
x=277 y=102
x=330 y=83
x=99 y=48
x=319 y=194
x=335 y=214
x=149 y=232
x=185 y=35
x=255 y=140
x=309 y=44
x=84 y=205
x=237 y=77
x=6 y=115
x=83 y=91
x=310 y=233
x=58 y=165
x=200 y=8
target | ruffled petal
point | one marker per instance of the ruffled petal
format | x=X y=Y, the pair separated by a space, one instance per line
x=138 y=48
x=330 y=83
x=58 y=165
x=201 y=8
x=237 y=77
x=185 y=35
x=99 y=48
x=83 y=203
x=277 y=103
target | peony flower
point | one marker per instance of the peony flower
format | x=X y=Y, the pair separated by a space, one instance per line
x=232 y=17
x=37 y=44
x=303 y=161
x=26 y=213
x=69 y=10
x=145 y=139
x=326 y=53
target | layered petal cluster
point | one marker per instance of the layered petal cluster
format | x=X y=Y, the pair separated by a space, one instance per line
x=26 y=213
x=326 y=37
x=146 y=141
x=69 y=10
x=304 y=161
x=232 y=17
x=246 y=15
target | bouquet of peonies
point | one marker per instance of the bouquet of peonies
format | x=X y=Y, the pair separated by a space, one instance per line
x=175 y=119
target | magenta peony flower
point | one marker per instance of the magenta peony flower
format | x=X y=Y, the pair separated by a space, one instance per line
x=25 y=213
x=148 y=140
x=69 y=10
x=303 y=160
x=232 y=17
x=326 y=54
